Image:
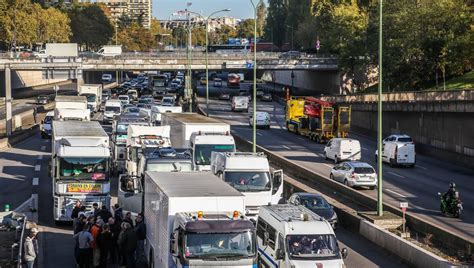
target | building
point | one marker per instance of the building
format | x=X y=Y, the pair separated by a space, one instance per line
x=137 y=10
x=214 y=23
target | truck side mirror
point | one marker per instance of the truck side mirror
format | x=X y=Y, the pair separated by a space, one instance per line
x=280 y=254
x=277 y=180
x=344 y=253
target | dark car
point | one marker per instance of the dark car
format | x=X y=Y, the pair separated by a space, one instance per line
x=267 y=97
x=317 y=204
x=224 y=96
x=42 y=99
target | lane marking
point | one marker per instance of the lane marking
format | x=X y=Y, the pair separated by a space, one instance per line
x=286 y=147
x=395 y=174
x=259 y=134
x=327 y=165
x=393 y=192
x=35 y=181
x=40 y=157
x=37 y=167
x=418 y=166
x=365 y=149
x=43 y=148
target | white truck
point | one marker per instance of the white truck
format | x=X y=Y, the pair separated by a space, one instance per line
x=80 y=161
x=157 y=110
x=250 y=174
x=201 y=134
x=60 y=50
x=93 y=93
x=240 y=104
x=71 y=108
x=112 y=108
x=194 y=219
x=110 y=51
x=140 y=138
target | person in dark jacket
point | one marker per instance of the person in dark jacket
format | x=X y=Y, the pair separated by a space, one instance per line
x=95 y=209
x=118 y=214
x=128 y=244
x=140 y=229
x=76 y=210
x=128 y=219
x=104 y=213
x=105 y=242
x=115 y=229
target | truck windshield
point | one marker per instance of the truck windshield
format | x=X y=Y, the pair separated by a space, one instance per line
x=80 y=167
x=248 y=181
x=170 y=166
x=113 y=109
x=122 y=128
x=312 y=247
x=219 y=245
x=90 y=97
x=159 y=83
x=202 y=154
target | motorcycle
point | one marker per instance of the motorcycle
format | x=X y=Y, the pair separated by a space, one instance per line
x=452 y=206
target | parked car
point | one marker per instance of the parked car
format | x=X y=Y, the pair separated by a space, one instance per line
x=224 y=96
x=316 y=203
x=217 y=82
x=42 y=99
x=203 y=81
x=342 y=149
x=355 y=174
x=267 y=97
x=106 y=78
x=263 y=119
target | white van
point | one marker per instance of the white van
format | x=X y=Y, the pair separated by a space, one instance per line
x=294 y=236
x=240 y=103
x=398 y=150
x=342 y=149
x=47 y=125
x=112 y=108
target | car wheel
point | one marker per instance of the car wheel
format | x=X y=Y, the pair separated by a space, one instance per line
x=346 y=183
x=331 y=177
x=372 y=188
x=336 y=159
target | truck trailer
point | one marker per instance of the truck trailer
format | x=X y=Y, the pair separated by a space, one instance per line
x=80 y=162
x=194 y=219
x=201 y=134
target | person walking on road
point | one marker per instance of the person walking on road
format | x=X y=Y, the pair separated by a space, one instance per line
x=95 y=209
x=128 y=244
x=76 y=210
x=140 y=229
x=31 y=251
x=115 y=229
x=96 y=229
x=118 y=214
x=84 y=240
x=106 y=245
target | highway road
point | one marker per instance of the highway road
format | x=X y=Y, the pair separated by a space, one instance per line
x=418 y=186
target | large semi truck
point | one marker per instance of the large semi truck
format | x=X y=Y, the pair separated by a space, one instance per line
x=80 y=162
x=195 y=220
x=317 y=119
x=249 y=173
x=157 y=84
x=201 y=134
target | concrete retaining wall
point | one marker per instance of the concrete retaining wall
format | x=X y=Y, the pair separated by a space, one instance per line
x=306 y=82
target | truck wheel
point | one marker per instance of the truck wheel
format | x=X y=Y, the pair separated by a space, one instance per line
x=296 y=130
x=318 y=139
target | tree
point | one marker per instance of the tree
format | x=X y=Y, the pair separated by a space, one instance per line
x=276 y=21
x=136 y=38
x=90 y=26
x=53 y=25
x=222 y=34
x=245 y=29
x=261 y=19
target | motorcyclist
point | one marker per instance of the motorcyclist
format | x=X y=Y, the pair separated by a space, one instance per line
x=451 y=194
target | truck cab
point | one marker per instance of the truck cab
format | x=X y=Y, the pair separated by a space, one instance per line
x=240 y=103
x=93 y=93
x=249 y=173
x=204 y=143
x=112 y=108
x=130 y=192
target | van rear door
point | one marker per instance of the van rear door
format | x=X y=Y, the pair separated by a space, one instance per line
x=406 y=153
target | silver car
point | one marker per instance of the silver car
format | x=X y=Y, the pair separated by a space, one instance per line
x=355 y=174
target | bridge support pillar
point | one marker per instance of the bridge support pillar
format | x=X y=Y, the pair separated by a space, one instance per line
x=8 y=101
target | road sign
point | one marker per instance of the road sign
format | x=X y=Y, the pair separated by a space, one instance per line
x=403 y=204
x=249 y=65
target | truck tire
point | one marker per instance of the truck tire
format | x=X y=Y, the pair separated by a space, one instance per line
x=296 y=129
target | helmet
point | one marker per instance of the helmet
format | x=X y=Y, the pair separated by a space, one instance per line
x=452 y=185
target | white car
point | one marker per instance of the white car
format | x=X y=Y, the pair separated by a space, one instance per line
x=168 y=101
x=355 y=174
x=125 y=99
x=217 y=82
x=342 y=149
x=398 y=150
x=263 y=120
x=106 y=78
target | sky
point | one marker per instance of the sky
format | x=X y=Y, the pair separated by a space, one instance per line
x=240 y=9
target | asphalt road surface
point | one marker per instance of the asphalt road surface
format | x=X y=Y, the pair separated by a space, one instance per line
x=418 y=186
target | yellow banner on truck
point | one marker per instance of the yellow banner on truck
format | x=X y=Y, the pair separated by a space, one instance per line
x=84 y=188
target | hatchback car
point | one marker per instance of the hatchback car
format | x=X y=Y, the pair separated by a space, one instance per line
x=316 y=203
x=355 y=174
x=224 y=96
x=263 y=120
x=217 y=82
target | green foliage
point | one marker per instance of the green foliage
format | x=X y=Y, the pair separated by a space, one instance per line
x=246 y=28
x=137 y=38
x=276 y=24
x=90 y=27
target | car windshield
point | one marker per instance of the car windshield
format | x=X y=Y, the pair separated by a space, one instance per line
x=114 y=109
x=248 y=181
x=78 y=167
x=314 y=202
x=312 y=247
x=202 y=155
x=364 y=170
x=169 y=166
x=219 y=245
x=123 y=98
x=132 y=110
x=405 y=139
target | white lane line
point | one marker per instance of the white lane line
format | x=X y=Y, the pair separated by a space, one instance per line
x=43 y=148
x=365 y=149
x=259 y=134
x=393 y=192
x=286 y=147
x=395 y=174
x=35 y=181
x=37 y=167
x=418 y=166
x=327 y=165
x=40 y=157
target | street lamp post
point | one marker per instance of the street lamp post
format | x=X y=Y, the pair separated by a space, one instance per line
x=379 y=111
x=207 y=57
x=254 y=97
x=116 y=43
